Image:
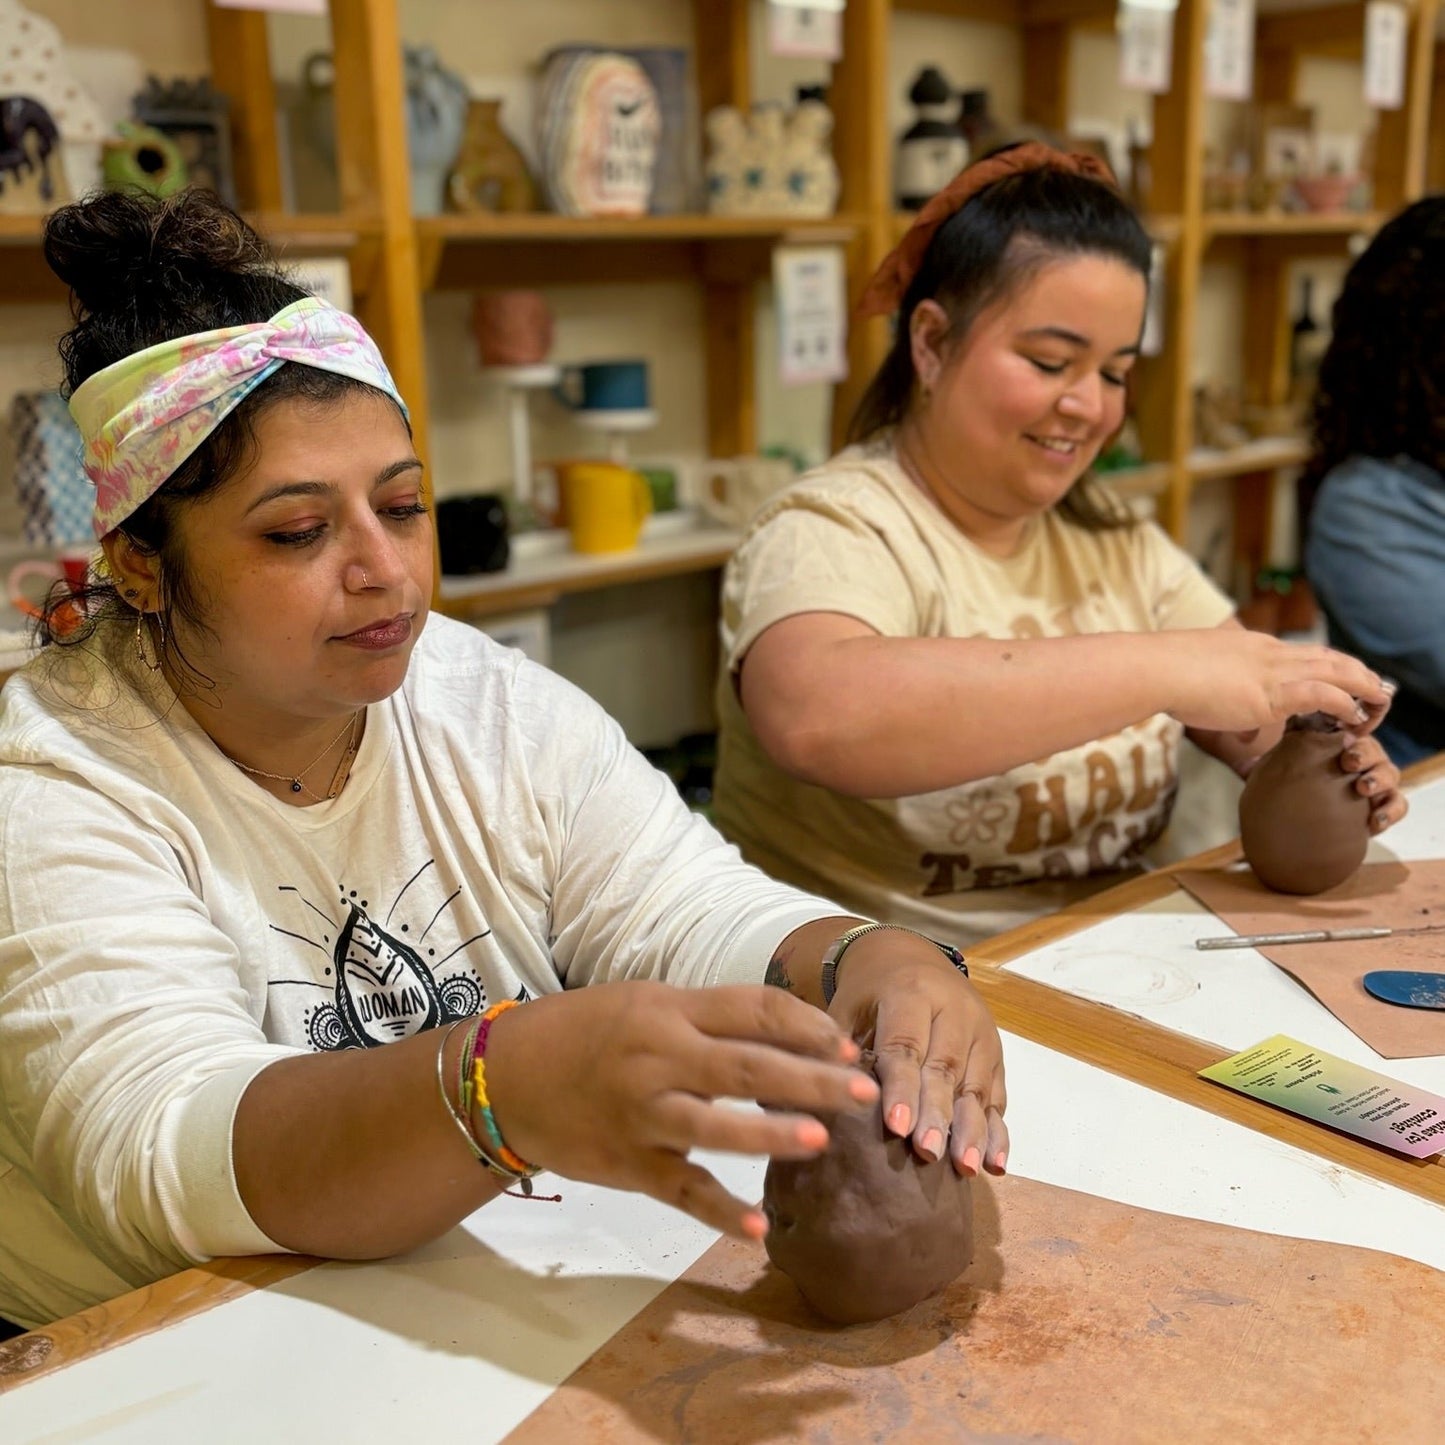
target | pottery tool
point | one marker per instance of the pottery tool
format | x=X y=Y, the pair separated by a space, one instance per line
x=1312 y=935
x=1407 y=987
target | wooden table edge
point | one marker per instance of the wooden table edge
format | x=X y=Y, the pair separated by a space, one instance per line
x=141 y=1312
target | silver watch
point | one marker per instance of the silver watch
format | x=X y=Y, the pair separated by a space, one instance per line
x=833 y=954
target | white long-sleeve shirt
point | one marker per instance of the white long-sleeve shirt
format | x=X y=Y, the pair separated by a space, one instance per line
x=168 y=929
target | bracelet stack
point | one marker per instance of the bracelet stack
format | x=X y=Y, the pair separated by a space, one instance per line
x=492 y=1151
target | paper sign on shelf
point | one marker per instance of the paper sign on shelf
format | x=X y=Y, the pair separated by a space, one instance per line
x=1229 y=50
x=288 y=7
x=812 y=306
x=1146 y=46
x=811 y=29
x=1291 y=1075
x=1386 y=27
x=328 y=277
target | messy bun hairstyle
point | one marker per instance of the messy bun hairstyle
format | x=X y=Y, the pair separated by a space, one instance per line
x=142 y=271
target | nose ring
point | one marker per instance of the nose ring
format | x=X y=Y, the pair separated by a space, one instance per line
x=365 y=584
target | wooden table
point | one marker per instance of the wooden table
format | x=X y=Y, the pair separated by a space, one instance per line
x=1120 y=943
x=475 y=1331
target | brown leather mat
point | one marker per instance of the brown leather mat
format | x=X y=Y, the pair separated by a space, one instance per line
x=1380 y=895
x=1081 y=1320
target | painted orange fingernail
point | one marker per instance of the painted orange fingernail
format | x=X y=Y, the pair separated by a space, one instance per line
x=971 y=1159
x=899 y=1118
x=849 y=1050
x=862 y=1088
x=931 y=1143
x=999 y=1160
x=755 y=1224
x=812 y=1134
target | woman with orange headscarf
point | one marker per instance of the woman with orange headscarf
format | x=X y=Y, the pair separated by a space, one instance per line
x=956 y=676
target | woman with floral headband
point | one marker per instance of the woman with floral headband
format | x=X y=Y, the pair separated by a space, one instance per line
x=282 y=855
x=955 y=677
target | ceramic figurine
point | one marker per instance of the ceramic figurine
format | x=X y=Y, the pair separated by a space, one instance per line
x=771 y=161
x=933 y=149
x=32 y=179
x=810 y=174
x=197 y=118
x=599 y=127
x=33 y=64
x=139 y=157
x=436 y=112
x=490 y=173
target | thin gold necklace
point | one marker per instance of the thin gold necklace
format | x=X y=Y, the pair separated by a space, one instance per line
x=295 y=780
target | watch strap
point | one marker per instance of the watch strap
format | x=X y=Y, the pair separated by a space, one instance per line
x=833 y=954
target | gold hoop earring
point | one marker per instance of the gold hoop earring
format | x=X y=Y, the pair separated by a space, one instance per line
x=140 y=648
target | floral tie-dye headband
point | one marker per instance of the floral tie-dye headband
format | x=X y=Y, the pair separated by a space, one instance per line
x=143 y=416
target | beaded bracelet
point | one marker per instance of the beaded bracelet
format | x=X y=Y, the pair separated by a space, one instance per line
x=458 y=1118
x=476 y=1097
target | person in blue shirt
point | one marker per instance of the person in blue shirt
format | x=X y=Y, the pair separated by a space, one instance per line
x=1373 y=490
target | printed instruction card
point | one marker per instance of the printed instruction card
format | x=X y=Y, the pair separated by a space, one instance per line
x=1291 y=1075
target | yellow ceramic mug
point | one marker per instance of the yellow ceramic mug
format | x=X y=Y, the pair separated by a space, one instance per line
x=605 y=505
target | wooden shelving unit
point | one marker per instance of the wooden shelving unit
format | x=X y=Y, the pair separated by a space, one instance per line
x=395 y=259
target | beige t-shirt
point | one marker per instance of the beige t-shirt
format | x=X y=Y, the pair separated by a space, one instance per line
x=857 y=536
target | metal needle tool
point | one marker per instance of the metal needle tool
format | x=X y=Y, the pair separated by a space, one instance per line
x=1312 y=935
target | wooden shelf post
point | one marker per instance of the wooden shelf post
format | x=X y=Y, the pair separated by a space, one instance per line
x=240 y=54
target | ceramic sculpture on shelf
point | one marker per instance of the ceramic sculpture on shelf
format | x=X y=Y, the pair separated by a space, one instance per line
x=490 y=172
x=436 y=112
x=771 y=161
x=142 y=158
x=933 y=149
x=197 y=118
x=32 y=178
x=598 y=130
x=33 y=64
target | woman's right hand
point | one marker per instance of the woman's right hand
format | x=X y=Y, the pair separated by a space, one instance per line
x=1225 y=679
x=615 y=1083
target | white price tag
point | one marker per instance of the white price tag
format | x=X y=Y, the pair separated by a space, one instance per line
x=1229 y=50
x=812 y=29
x=1386 y=26
x=812 y=302
x=1146 y=47
x=289 y=7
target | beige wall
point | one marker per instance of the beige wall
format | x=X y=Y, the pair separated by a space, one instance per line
x=497 y=46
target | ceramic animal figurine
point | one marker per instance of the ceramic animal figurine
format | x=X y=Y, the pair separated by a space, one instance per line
x=33 y=63
x=599 y=128
x=32 y=178
x=1302 y=825
x=490 y=173
x=771 y=161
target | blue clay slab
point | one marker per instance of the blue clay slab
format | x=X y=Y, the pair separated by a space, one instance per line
x=1402 y=986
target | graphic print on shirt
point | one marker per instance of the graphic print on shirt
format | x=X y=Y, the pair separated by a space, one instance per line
x=382 y=987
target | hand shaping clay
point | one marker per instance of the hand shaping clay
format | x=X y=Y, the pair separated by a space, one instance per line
x=1303 y=826
x=867 y=1229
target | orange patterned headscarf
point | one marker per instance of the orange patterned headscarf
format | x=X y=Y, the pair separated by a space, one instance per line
x=885 y=292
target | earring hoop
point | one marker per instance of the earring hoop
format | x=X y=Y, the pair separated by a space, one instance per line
x=140 y=631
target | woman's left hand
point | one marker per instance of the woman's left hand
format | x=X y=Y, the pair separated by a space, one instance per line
x=1376 y=777
x=939 y=1058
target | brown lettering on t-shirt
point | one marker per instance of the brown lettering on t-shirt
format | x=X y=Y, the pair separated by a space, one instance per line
x=1104 y=795
x=943 y=867
x=1144 y=794
x=1041 y=819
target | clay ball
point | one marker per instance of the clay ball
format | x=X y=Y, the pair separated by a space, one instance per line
x=1302 y=825
x=867 y=1229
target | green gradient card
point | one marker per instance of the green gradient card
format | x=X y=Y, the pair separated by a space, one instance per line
x=1291 y=1075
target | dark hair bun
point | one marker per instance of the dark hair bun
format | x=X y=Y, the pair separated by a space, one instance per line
x=142 y=271
x=114 y=245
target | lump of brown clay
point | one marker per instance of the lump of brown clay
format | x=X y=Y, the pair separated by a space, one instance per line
x=1302 y=825
x=867 y=1229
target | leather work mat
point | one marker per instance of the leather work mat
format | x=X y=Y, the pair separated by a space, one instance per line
x=1080 y=1320
x=1380 y=895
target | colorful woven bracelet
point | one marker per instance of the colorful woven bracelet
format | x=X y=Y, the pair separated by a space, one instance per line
x=461 y=1119
x=483 y=1105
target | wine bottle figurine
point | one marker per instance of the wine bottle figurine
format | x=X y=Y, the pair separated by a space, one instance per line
x=1303 y=826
